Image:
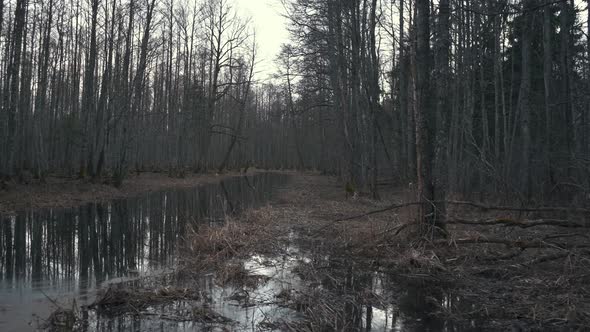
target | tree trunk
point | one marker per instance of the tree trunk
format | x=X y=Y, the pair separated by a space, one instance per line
x=243 y=101
x=373 y=95
x=41 y=97
x=524 y=100
x=424 y=117
x=124 y=101
x=548 y=84
x=14 y=78
x=565 y=26
x=443 y=41
x=88 y=92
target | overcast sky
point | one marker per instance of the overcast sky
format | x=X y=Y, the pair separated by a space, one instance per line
x=271 y=31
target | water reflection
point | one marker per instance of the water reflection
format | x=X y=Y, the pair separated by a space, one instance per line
x=69 y=250
x=359 y=299
x=239 y=306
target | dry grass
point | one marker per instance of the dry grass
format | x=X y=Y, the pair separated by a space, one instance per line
x=61 y=320
x=235 y=274
x=117 y=300
x=213 y=247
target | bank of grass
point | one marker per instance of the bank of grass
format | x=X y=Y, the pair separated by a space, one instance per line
x=211 y=247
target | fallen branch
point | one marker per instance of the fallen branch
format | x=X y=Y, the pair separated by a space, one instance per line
x=546 y=258
x=467 y=203
x=556 y=236
x=389 y=208
x=506 y=256
x=520 y=223
x=523 y=244
x=519 y=209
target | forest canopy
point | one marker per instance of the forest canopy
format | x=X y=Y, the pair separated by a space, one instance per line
x=458 y=96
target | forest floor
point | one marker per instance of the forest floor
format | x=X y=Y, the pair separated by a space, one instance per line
x=70 y=192
x=525 y=271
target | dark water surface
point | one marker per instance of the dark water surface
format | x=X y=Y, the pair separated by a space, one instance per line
x=66 y=253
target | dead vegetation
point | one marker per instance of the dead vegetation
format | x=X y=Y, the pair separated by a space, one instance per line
x=219 y=247
x=520 y=268
x=210 y=250
x=497 y=270
x=62 y=320
x=117 y=300
x=235 y=274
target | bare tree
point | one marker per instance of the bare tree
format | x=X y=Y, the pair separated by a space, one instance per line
x=225 y=33
x=246 y=75
x=424 y=115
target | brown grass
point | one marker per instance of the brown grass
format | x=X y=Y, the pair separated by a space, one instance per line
x=117 y=300
x=213 y=247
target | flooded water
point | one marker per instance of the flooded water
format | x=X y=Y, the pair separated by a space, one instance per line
x=239 y=307
x=66 y=253
x=335 y=297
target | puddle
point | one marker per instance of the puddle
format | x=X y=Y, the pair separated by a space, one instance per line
x=257 y=307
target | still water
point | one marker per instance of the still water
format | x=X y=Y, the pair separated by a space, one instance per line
x=65 y=253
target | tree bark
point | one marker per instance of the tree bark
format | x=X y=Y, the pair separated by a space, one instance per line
x=565 y=26
x=41 y=96
x=14 y=78
x=243 y=103
x=424 y=117
x=548 y=85
x=88 y=92
x=443 y=41
x=524 y=100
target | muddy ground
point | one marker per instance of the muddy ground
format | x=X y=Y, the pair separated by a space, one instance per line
x=70 y=192
x=496 y=270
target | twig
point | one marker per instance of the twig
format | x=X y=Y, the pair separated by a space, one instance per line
x=520 y=223
x=546 y=258
x=534 y=243
x=520 y=209
x=389 y=208
x=473 y=204
x=557 y=236
x=59 y=306
x=507 y=256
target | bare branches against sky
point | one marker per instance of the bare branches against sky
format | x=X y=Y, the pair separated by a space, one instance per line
x=271 y=31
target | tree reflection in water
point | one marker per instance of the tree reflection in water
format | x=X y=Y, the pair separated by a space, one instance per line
x=73 y=249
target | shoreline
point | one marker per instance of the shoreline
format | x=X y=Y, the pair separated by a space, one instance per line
x=69 y=192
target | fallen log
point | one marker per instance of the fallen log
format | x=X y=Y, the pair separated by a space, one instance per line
x=398 y=206
x=523 y=244
x=519 y=209
x=546 y=258
x=519 y=223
